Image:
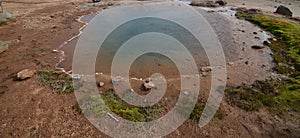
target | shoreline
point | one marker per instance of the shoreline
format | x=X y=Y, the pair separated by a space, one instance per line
x=225 y=12
x=41 y=30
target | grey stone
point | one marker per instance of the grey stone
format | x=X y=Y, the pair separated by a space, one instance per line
x=284 y=11
x=6 y=17
x=3 y=46
x=204 y=3
x=149 y=85
x=221 y=2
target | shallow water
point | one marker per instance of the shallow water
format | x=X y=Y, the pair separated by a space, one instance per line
x=148 y=63
x=236 y=46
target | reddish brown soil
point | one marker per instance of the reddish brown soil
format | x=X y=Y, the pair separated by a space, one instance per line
x=28 y=109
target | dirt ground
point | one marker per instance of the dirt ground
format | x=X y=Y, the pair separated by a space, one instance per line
x=29 y=109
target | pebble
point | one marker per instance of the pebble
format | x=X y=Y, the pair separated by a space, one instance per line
x=186 y=93
x=101 y=84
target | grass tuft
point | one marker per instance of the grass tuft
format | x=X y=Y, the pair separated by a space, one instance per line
x=59 y=83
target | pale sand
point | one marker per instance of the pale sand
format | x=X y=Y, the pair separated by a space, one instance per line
x=268 y=5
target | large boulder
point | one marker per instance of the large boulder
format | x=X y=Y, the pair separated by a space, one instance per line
x=3 y=46
x=284 y=11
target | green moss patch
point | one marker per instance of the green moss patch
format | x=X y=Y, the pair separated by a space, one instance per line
x=198 y=110
x=283 y=94
x=100 y=104
x=286 y=31
x=59 y=83
x=253 y=97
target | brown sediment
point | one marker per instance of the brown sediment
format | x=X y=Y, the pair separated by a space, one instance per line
x=27 y=107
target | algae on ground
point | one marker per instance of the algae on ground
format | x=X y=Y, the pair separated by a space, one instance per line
x=285 y=93
x=99 y=105
x=198 y=111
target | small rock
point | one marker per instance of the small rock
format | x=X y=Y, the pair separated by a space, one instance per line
x=206 y=69
x=204 y=3
x=3 y=46
x=96 y=1
x=257 y=47
x=266 y=43
x=115 y=82
x=110 y=4
x=284 y=11
x=25 y=74
x=255 y=33
x=101 y=84
x=186 y=93
x=230 y=63
x=148 y=85
x=221 y=2
x=75 y=76
x=6 y=17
